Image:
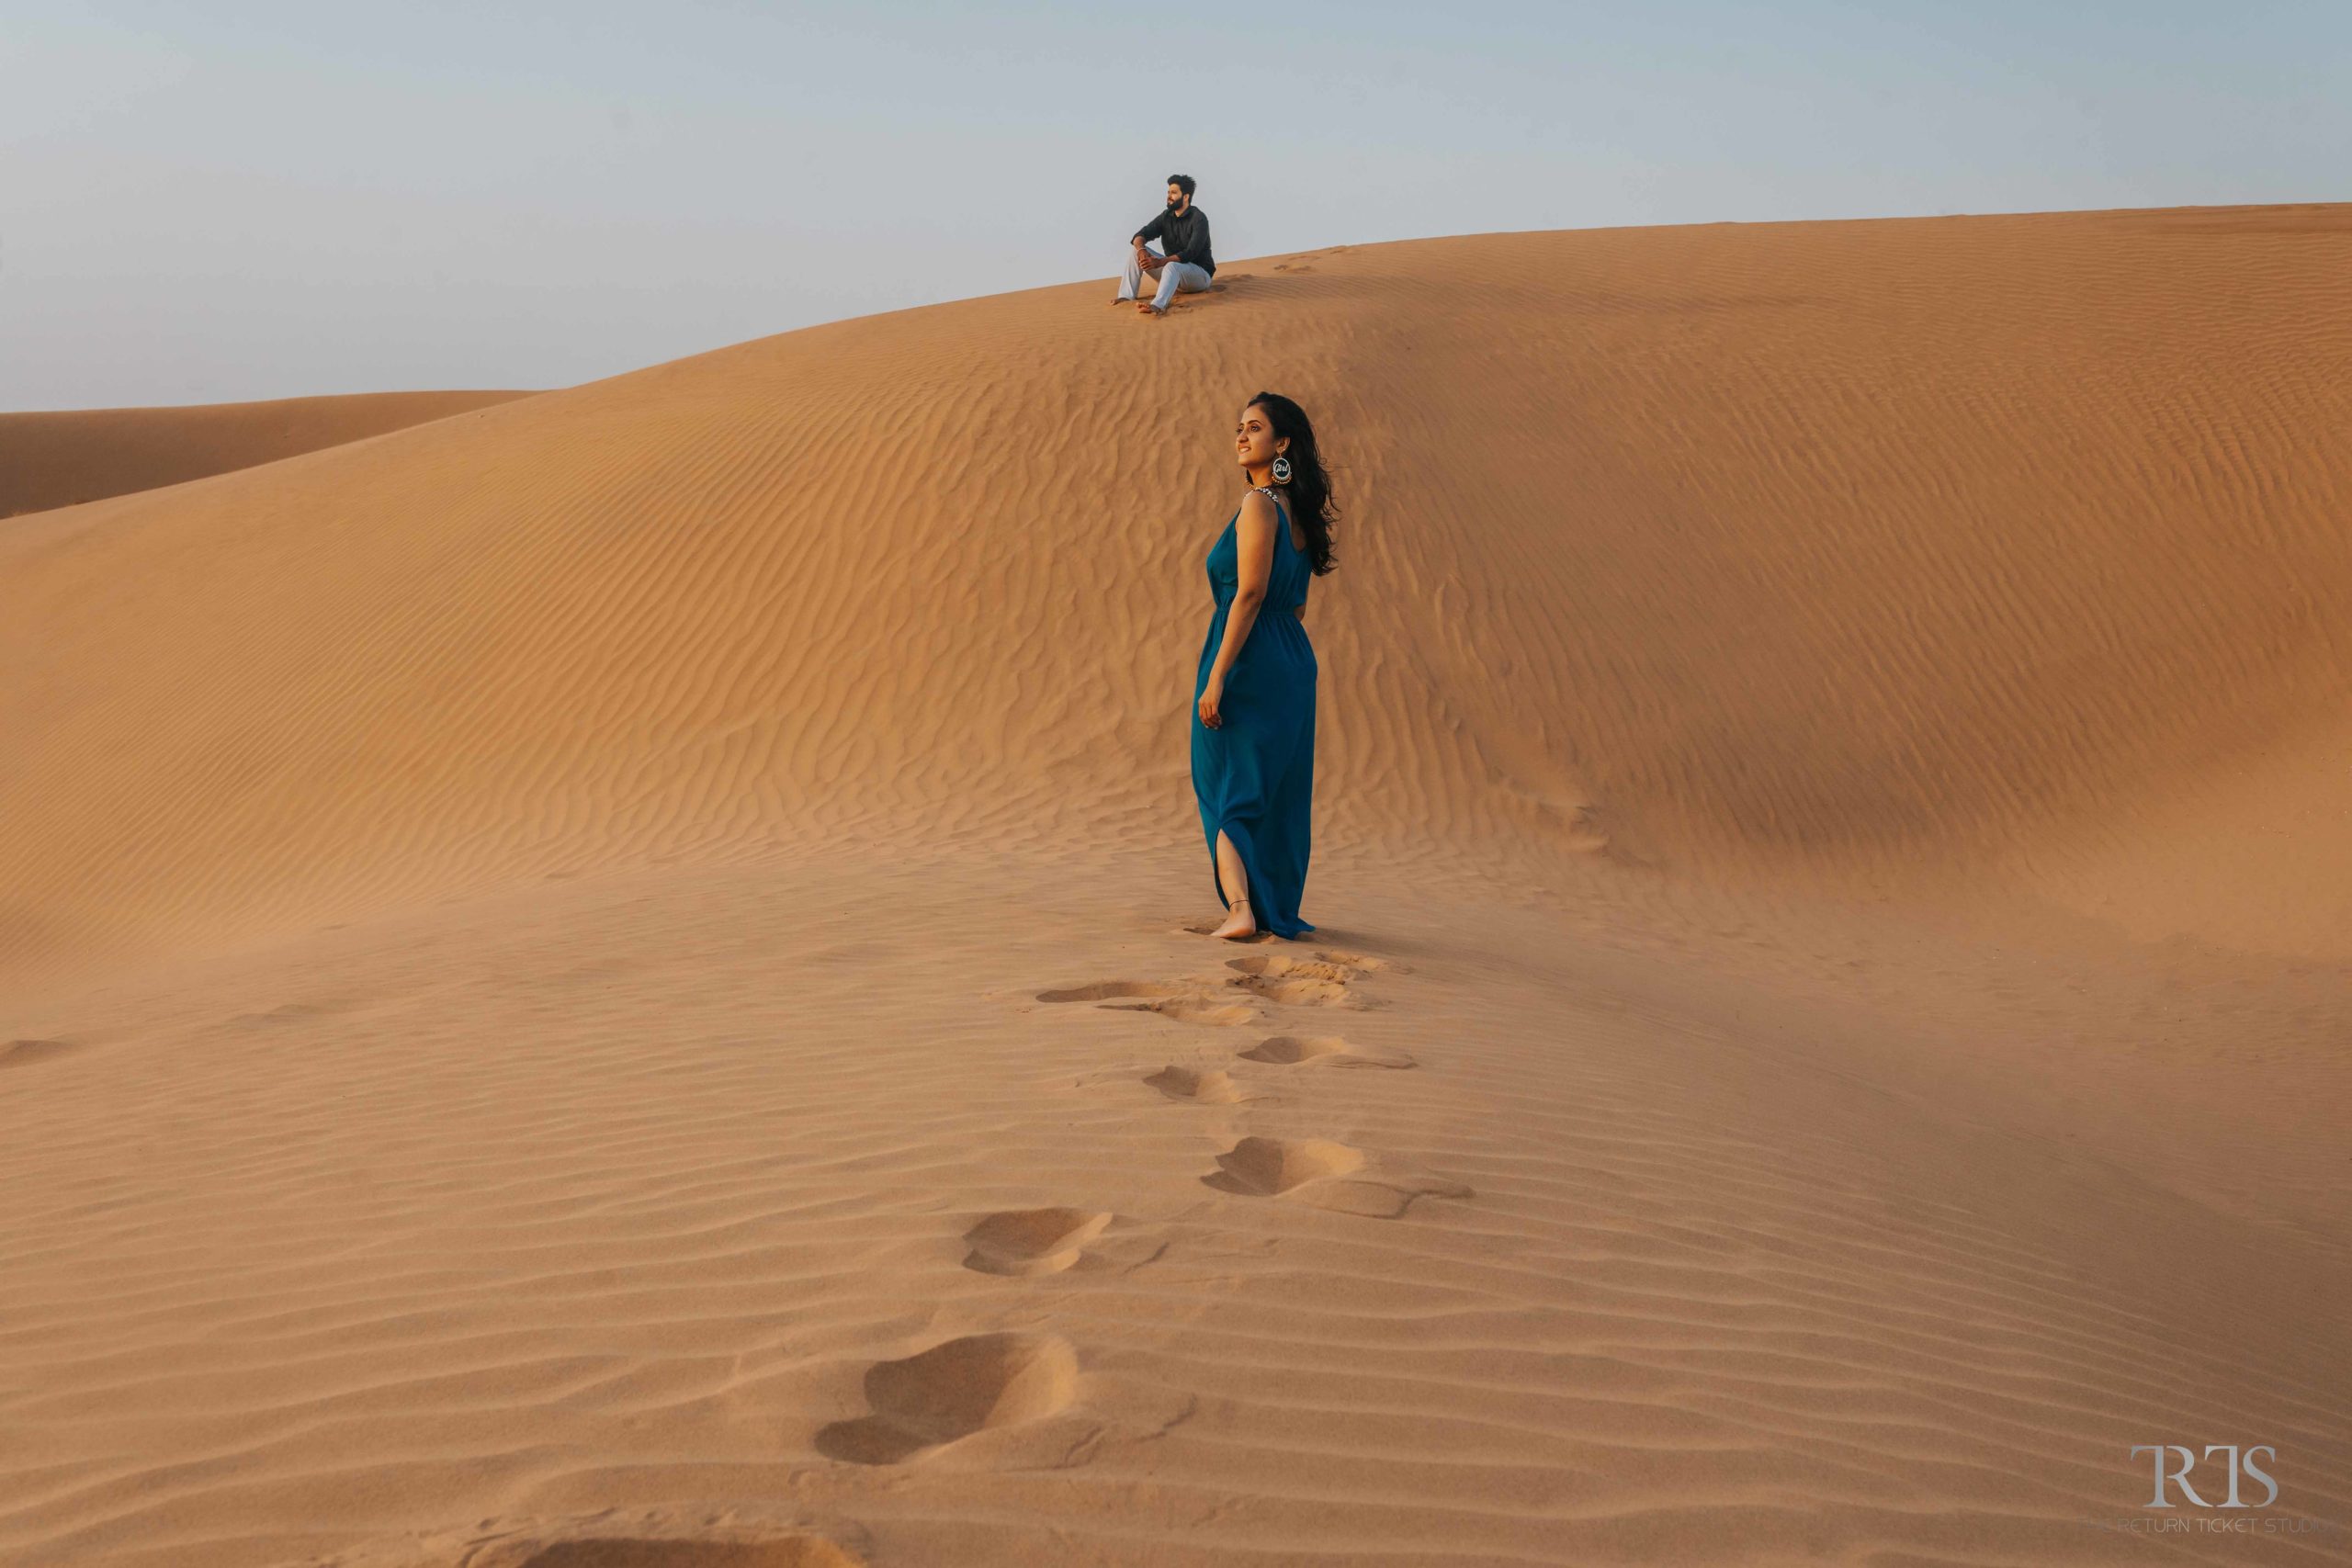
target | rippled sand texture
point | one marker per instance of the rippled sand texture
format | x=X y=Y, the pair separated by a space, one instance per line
x=63 y=459
x=617 y=982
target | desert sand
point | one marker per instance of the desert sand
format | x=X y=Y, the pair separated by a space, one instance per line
x=49 y=460
x=617 y=980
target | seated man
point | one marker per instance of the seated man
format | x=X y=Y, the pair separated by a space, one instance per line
x=1183 y=231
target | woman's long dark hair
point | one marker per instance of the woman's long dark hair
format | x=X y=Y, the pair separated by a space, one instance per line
x=1309 y=486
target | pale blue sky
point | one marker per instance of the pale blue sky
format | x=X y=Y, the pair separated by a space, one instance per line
x=271 y=199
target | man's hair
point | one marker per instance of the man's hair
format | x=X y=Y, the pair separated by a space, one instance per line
x=1182 y=183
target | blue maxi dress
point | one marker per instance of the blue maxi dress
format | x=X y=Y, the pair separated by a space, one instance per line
x=1254 y=775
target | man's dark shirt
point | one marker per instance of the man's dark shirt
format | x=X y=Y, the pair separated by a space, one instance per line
x=1182 y=236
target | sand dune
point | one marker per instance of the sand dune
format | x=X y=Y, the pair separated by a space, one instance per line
x=619 y=980
x=66 y=458
x=1855 y=548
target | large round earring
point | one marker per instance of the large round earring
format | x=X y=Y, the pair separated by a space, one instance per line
x=1282 y=470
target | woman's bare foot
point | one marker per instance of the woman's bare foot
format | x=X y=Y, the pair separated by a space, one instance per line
x=1238 y=922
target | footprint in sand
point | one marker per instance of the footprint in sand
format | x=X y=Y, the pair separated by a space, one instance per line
x=1363 y=964
x=1324 y=1174
x=1025 y=1242
x=25 y=1053
x=978 y=1383
x=1192 y=1010
x=1184 y=1004
x=1196 y=1088
x=1301 y=991
x=1275 y=965
x=1298 y=982
x=1266 y=1168
x=1108 y=991
x=1292 y=1050
x=1305 y=263
x=622 y=1551
x=741 y=1536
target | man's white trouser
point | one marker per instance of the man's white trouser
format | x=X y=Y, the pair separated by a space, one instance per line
x=1176 y=275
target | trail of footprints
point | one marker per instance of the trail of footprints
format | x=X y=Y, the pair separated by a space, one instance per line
x=985 y=1382
x=994 y=1382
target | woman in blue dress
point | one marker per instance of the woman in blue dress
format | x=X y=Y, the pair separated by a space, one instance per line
x=1253 y=721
